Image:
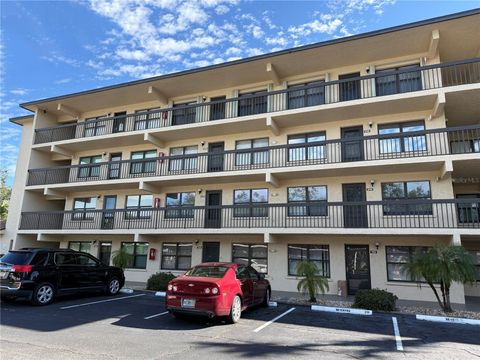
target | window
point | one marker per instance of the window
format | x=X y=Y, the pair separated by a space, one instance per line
x=39 y=259
x=303 y=95
x=88 y=170
x=187 y=161
x=85 y=260
x=410 y=190
x=299 y=152
x=388 y=82
x=313 y=200
x=137 y=252
x=476 y=257
x=184 y=113
x=252 y=103
x=83 y=208
x=252 y=202
x=244 y=158
x=176 y=256
x=148 y=118
x=465 y=146
x=80 y=246
x=139 y=164
x=139 y=202
x=400 y=143
x=95 y=126
x=254 y=255
x=65 y=259
x=397 y=257
x=180 y=205
x=318 y=254
x=469 y=212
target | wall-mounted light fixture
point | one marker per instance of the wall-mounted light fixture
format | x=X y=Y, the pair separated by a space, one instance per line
x=377 y=245
x=370 y=124
x=199 y=191
x=202 y=143
x=372 y=182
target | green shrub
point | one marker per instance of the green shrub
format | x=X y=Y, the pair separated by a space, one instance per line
x=375 y=299
x=159 y=281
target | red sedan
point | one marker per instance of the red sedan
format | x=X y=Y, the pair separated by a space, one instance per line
x=217 y=289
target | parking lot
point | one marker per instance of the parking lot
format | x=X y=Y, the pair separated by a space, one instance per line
x=137 y=326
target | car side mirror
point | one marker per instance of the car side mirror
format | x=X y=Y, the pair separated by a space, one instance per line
x=261 y=276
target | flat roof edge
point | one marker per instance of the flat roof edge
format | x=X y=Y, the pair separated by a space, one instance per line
x=438 y=19
x=20 y=119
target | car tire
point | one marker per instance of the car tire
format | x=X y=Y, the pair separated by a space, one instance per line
x=43 y=294
x=113 y=286
x=235 y=310
x=266 y=298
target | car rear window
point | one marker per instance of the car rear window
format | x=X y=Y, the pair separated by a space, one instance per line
x=16 y=257
x=208 y=271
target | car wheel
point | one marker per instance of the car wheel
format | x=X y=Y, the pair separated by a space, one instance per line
x=43 y=294
x=236 y=310
x=266 y=298
x=113 y=286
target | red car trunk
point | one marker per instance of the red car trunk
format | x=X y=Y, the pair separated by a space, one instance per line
x=193 y=285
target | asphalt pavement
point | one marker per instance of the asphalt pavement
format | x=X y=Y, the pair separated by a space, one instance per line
x=136 y=326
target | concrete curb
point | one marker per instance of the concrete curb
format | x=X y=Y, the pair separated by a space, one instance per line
x=160 y=293
x=449 y=320
x=341 y=310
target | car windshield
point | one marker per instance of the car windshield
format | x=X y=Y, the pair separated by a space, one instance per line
x=208 y=271
x=16 y=257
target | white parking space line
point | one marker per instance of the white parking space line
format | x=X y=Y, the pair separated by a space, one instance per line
x=398 y=338
x=155 y=315
x=273 y=320
x=101 y=301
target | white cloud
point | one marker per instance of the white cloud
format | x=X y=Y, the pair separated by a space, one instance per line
x=63 y=81
x=222 y=9
x=20 y=92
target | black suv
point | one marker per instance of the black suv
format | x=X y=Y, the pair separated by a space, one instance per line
x=42 y=274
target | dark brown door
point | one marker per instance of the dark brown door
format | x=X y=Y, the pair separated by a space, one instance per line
x=105 y=251
x=213 y=215
x=211 y=251
x=352 y=144
x=349 y=90
x=355 y=214
x=217 y=108
x=215 y=157
x=357 y=262
x=119 y=121
x=109 y=206
x=115 y=166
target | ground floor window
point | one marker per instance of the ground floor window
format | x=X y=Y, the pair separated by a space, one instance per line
x=476 y=257
x=176 y=256
x=84 y=246
x=255 y=255
x=318 y=254
x=138 y=254
x=397 y=257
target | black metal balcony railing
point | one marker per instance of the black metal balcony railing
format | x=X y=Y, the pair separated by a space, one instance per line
x=434 y=142
x=318 y=93
x=456 y=213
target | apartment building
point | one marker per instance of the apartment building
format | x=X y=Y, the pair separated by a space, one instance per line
x=352 y=153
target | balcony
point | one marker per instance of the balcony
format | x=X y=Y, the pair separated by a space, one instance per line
x=296 y=97
x=427 y=143
x=411 y=214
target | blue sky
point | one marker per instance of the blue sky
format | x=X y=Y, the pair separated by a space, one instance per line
x=51 y=48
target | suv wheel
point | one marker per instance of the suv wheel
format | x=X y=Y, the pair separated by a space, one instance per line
x=113 y=286
x=43 y=294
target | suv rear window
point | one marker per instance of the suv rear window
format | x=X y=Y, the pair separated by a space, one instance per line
x=16 y=257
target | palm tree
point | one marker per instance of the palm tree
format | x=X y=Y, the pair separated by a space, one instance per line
x=121 y=258
x=442 y=265
x=311 y=282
